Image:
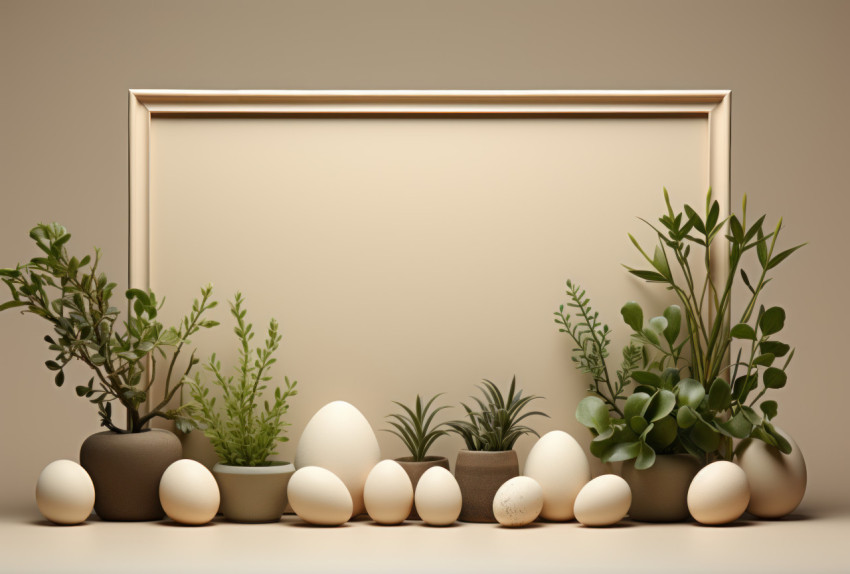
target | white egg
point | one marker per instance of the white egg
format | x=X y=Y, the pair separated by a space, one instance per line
x=189 y=492
x=518 y=502
x=438 y=498
x=603 y=501
x=339 y=438
x=318 y=496
x=559 y=464
x=388 y=493
x=719 y=493
x=777 y=481
x=64 y=492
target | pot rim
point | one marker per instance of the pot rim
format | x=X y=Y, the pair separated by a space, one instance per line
x=276 y=467
x=432 y=458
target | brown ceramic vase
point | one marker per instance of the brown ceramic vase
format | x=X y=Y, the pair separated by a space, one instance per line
x=415 y=470
x=253 y=494
x=479 y=475
x=197 y=446
x=660 y=492
x=125 y=469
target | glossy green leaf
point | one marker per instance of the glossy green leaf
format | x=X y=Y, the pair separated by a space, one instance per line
x=650 y=276
x=743 y=331
x=647 y=378
x=658 y=324
x=764 y=360
x=635 y=405
x=660 y=405
x=774 y=378
x=663 y=433
x=690 y=393
x=772 y=321
x=651 y=335
x=705 y=437
x=752 y=415
x=621 y=451
x=737 y=427
x=673 y=314
x=593 y=413
x=645 y=457
x=781 y=442
x=686 y=417
x=719 y=395
x=638 y=424
x=633 y=315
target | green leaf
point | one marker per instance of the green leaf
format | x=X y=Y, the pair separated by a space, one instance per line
x=777 y=259
x=743 y=331
x=12 y=305
x=651 y=335
x=663 y=433
x=60 y=378
x=691 y=393
x=686 y=417
x=737 y=427
x=673 y=314
x=621 y=451
x=592 y=413
x=650 y=276
x=660 y=405
x=775 y=348
x=774 y=378
x=769 y=408
x=647 y=378
x=761 y=249
x=53 y=365
x=658 y=324
x=645 y=458
x=705 y=437
x=638 y=424
x=635 y=405
x=782 y=444
x=764 y=360
x=659 y=261
x=719 y=395
x=736 y=229
x=751 y=415
x=81 y=391
x=772 y=321
x=633 y=316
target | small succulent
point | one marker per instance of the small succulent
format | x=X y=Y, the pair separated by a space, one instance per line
x=495 y=426
x=414 y=427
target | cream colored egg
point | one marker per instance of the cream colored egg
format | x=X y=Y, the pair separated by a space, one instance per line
x=438 y=498
x=339 y=438
x=189 y=493
x=559 y=464
x=603 y=501
x=777 y=481
x=64 y=492
x=388 y=493
x=719 y=493
x=318 y=496
x=518 y=502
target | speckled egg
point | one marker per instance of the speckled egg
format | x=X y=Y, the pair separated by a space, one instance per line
x=189 y=492
x=339 y=438
x=719 y=493
x=388 y=493
x=559 y=464
x=603 y=501
x=318 y=496
x=64 y=492
x=777 y=481
x=438 y=498
x=518 y=502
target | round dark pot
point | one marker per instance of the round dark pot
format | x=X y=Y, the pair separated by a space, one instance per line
x=479 y=475
x=660 y=493
x=126 y=468
x=253 y=494
x=415 y=470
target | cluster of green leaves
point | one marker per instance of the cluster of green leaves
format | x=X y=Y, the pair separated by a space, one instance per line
x=495 y=425
x=75 y=298
x=684 y=402
x=413 y=426
x=244 y=434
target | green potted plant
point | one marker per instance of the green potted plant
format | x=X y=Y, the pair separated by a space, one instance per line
x=683 y=403
x=414 y=427
x=70 y=293
x=489 y=460
x=244 y=434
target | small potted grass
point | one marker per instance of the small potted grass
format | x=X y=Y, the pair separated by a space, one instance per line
x=243 y=434
x=414 y=427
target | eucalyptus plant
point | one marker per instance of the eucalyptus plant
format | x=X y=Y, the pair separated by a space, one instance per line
x=688 y=396
x=413 y=426
x=243 y=433
x=495 y=425
x=75 y=299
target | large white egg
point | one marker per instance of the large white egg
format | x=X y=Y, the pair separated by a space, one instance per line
x=318 y=496
x=438 y=498
x=189 y=493
x=64 y=492
x=719 y=493
x=777 y=481
x=603 y=501
x=339 y=438
x=388 y=493
x=518 y=501
x=559 y=464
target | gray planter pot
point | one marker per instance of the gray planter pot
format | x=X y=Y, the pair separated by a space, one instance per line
x=253 y=493
x=479 y=475
x=660 y=493
x=415 y=470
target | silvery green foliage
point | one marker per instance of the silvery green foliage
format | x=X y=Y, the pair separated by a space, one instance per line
x=684 y=402
x=71 y=295
x=414 y=428
x=242 y=432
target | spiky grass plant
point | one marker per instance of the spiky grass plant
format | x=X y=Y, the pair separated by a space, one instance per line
x=414 y=428
x=495 y=425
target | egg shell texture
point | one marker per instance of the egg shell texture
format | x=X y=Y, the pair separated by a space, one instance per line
x=339 y=439
x=438 y=498
x=603 y=501
x=318 y=496
x=719 y=493
x=189 y=492
x=518 y=501
x=559 y=464
x=388 y=493
x=777 y=481
x=64 y=492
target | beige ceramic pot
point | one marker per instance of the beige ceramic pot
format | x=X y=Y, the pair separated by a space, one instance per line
x=253 y=493
x=660 y=493
x=125 y=469
x=479 y=475
x=415 y=470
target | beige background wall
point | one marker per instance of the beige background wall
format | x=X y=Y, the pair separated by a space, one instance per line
x=65 y=68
